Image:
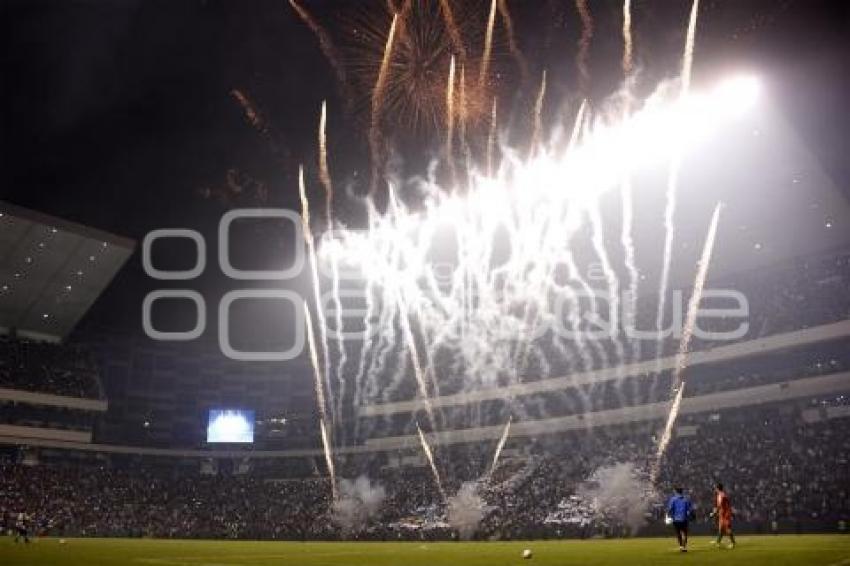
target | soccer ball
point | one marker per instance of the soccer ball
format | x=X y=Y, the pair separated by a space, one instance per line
x=526 y=554
x=61 y=541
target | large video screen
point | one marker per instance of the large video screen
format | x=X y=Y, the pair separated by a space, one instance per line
x=230 y=426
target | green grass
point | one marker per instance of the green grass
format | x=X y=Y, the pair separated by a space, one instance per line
x=827 y=550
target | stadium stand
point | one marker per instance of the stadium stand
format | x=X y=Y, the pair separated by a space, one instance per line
x=782 y=389
x=803 y=487
x=44 y=367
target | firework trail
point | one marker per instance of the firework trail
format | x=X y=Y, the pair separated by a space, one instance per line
x=512 y=44
x=688 y=57
x=673 y=177
x=491 y=139
x=488 y=45
x=502 y=440
x=320 y=399
x=464 y=114
x=627 y=37
x=684 y=344
x=410 y=339
x=324 y=173
x=430 y=456
x=314 y=268
x=450 y=111
x=325 y=43
x=325 y=179
x=584 y=45
x=251 y=113
x=377 y=101
x=538 y=116
x=454 y=32
x=598 y=241
x=626 y=187
x=365 y=348
x=340 y=331
x=630 y=310
x=582 y=109
x=326 y=442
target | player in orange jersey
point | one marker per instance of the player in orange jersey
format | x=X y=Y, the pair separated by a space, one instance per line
x=723 y=513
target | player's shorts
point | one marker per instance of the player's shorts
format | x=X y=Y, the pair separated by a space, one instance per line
x=681 y=526
x=724 y=523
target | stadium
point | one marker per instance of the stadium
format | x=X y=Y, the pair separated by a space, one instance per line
x=426 y=282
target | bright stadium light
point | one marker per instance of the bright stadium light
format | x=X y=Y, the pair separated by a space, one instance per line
x=738 y=94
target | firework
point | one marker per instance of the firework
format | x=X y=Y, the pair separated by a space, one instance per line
x=626 y=186
x=488 y=45
x=491 y=138
x=627 y=37
x=314 y=269
x=325 y=44
x=324 y=173
x=501 y=444
x=320 y=399
x=377 y=101
x=512 y=44
x=684 y=344
x=584 y=45
x=538 y=115
x=251 y=113
x=429 y=455
x=454 y=31
x=673 y=174
x=450 y=109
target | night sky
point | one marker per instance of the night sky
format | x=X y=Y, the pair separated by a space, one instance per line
x=120 y=114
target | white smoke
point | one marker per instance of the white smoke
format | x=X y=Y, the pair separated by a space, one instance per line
x=357 y=502
x=466 y=510
x=619 y=492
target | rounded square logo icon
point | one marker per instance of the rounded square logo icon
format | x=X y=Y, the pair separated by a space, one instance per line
x=263 y=274
x=194 y=296
x=243 y=294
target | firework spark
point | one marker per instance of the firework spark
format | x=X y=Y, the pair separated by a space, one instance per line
x=320 y=399
x=325 y=44
x=454 y=31
x=538 y=115
x=684 y=344
x=314 y=269
x=630 y=310
x=512 y=44
x=627 y=38
x=501 y=444
x=429 y=455
x=491 y=138
x=584 y=45
x=377 y=101
x=251 y=113
x=450 y=109
x=488 y=45
x=324 y=172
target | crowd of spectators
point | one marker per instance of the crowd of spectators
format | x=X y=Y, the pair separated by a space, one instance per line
x=46 y=367
x=780 y=470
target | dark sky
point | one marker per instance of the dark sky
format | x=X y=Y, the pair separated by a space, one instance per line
x=119 y=114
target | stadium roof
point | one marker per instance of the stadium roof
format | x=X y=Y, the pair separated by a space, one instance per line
x=52 y=271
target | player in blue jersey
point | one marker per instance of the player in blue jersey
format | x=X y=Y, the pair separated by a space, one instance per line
x=679 y=512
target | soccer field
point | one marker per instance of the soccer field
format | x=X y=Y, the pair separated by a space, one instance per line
x=751 y=551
